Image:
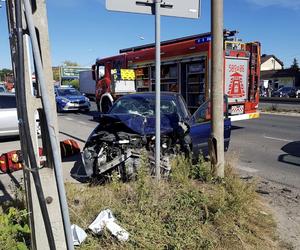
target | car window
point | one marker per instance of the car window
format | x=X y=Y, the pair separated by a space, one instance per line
x=64 y=92
x=286 y=89
x=133 y=105
x=8 y=102
x=203 y=113
x=184 y=110
x=144 y=105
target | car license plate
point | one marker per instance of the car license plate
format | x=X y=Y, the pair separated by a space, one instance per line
x=237 y=109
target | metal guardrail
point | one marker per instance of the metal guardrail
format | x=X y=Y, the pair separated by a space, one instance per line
x=280 y=100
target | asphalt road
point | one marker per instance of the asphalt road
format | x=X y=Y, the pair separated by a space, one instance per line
x=268 y=147
x=76 y=126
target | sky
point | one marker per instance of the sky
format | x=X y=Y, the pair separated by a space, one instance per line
x=83 y=30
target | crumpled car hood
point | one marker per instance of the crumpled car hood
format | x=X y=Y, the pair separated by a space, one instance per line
x=140 y=124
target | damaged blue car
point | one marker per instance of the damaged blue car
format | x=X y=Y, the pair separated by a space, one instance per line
x=129 y=128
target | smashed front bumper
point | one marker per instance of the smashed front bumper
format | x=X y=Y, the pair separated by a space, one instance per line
x=128 y=163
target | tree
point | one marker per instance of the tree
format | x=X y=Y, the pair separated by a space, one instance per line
x=56 y=73
x=295 y=65
x=4 y=72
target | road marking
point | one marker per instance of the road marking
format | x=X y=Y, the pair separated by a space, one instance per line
x=69 y=119
x=277 y=139
x=247 y=169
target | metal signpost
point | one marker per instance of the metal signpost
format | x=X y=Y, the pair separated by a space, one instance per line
x=176 y=8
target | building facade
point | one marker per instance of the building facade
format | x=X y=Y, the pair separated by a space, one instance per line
x=270 y=62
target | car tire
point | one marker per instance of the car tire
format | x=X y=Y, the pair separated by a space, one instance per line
x=106 y=105
x=98 y=105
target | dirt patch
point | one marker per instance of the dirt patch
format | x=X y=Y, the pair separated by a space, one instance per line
x=284 y=202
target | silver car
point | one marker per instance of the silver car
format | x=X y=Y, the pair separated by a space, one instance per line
x=8 y=115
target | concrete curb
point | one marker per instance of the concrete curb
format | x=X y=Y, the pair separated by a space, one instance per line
x=294 y=114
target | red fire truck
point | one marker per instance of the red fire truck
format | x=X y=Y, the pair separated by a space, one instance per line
x=186 y=68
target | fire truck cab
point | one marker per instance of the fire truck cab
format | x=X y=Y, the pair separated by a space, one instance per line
x=186 y=69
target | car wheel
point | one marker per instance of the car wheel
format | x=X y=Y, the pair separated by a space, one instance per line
x=106 y=105
x=87 y=110
x=98 y=105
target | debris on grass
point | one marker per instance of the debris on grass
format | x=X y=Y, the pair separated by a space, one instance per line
x=190 y=210
x=78 y=234
x=106 y=220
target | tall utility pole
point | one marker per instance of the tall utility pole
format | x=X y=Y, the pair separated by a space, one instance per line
x=45 y=194
x=217 y=83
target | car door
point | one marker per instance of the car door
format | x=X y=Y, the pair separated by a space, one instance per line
x=8 y=116
x=200 y=128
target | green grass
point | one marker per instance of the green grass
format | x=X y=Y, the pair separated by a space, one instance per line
x=190 y=210
x=14 y=228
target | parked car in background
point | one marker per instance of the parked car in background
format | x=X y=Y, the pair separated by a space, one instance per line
x=8 y=115
x=285 y=92
x=129 y=127
x=2 y=88
x=71 y=99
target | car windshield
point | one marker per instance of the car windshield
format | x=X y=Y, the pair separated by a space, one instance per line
x=145 y=105
x=285 y=89
x=64 y=92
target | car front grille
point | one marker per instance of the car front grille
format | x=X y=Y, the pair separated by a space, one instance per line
x=78 y=102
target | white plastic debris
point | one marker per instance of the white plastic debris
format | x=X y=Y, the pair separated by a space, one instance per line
x=100 y=222
x=106 y=219
x=117 y=231
x=78 y=235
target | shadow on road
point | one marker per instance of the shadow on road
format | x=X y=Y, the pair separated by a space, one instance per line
x=75 y=157
x=78 y=172
x=292 y=155
x=4 y=194
x=72 y=136
x=9 y=138
x=233 y=127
